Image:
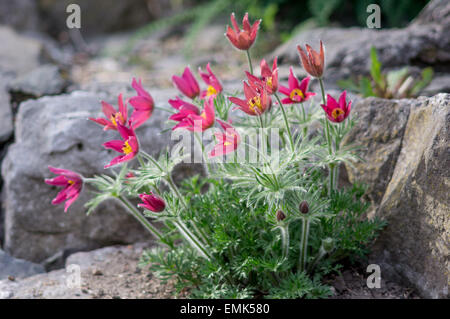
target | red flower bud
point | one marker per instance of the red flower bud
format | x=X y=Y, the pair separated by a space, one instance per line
x=152 y=202
x=280 y=215
x=304 y=207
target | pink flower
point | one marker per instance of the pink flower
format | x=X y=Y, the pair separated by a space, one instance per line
x=268 y=79
x=297 y=91
x=337 y=112
x=187 y=84
x=198 y=123
x=256 y=102
x=242 y=39
x=129 y=146
x=152 y=202
x=185 y=109
x=113 y=117
x=227 y=141
x=214 y=86
x=143 y=105
x=71 y=182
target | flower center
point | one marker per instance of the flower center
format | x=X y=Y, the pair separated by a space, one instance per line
x=70 y=182
x=117 y=117
x=211 y=91
x=296 y=93
x=255 y=102
x=269 y=81
x=227 y=143
x=336 y=113
x=127 y=148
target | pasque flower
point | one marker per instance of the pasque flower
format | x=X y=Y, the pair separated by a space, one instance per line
x=312 y=62
x=214 y=86
x=242 y=39
x=129 y=146
x=268 y=79
x=71 y=182
x=192 y=119
x=228 y=141
x=297 y=92
x=256 y=102
x=152 y=202
x=337 y=112
x=187 y=84
x=113 y=116
x=143 y=105
x=185 y=109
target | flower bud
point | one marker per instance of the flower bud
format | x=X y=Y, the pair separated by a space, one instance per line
x=280 y=215
x=328 y=244
x=304 y=207
x=152 y=202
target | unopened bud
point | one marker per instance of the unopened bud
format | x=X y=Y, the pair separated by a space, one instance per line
x=304 y=207
x=280 y=215
x=328 y=244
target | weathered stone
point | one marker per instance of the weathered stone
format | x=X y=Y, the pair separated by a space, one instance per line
x=18 y=54
x=55 y=131
x=6 y=117
x=20 y=14
x=17 y=268
x=44 y=80
x=379 y=129
x=415 y=244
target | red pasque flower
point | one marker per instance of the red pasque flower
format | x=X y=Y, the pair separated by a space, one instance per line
x=214 y=86
x=227 y=141
x=143 y=105
x=256 y=102
x=242 y=39
x=71 y=182
x=337 y=112
x=152 y=202
x=313 y=62
x=185 y=109
x=113 y=117
x=197 y=122
x=187 y=84
x=129 y=146
x=297 y=92
x=268 y=79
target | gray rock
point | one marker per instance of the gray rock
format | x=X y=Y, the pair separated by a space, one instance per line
x=6 y=116
x=17 y=268
x=20 y=14
x=415 y=244
x=55 y=131
x=379 y=130
x=44 y=80
x=18 y=54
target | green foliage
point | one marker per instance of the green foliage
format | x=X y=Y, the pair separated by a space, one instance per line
x=248 y=261
x=394 y=84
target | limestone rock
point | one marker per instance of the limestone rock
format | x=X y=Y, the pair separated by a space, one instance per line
x=416 y=204
x=17 y=268
x=55 y=131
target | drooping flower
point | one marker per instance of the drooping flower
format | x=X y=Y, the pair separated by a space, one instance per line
x=256 y=102
x=143 y=105
x=152 y=202
x=228 y=141
x=268 y=79
x=187 y=84
x=113 y=116
x=337 y=112
x=242 y=39
x=214 y=86
x=71 y=182
x=297 y=92
x=129 y=146
x=313 y=62
x=197 y=122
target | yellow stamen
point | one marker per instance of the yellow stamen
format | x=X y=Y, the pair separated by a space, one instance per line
x=336 y=113
x=255 y=102
x=127 y=148
x=117 y=117
x=203 y=115
x=70 y=182
x=211 y=91
x=269 y=82
x=295 y=93
x=227 y=143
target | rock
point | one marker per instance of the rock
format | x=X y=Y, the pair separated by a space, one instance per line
x=6 y=116
x=379 y=129
x=55 y=131
x=439 y=84
x=18 y=54
x=348 y=49
x=415 y=244
x=44 y=80
x=20 y=14
x=13 y=268
x=436 y=11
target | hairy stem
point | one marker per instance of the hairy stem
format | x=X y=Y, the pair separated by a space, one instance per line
x=249 y=59
x=304 y=245
x=286 y=122
x=284 y=230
